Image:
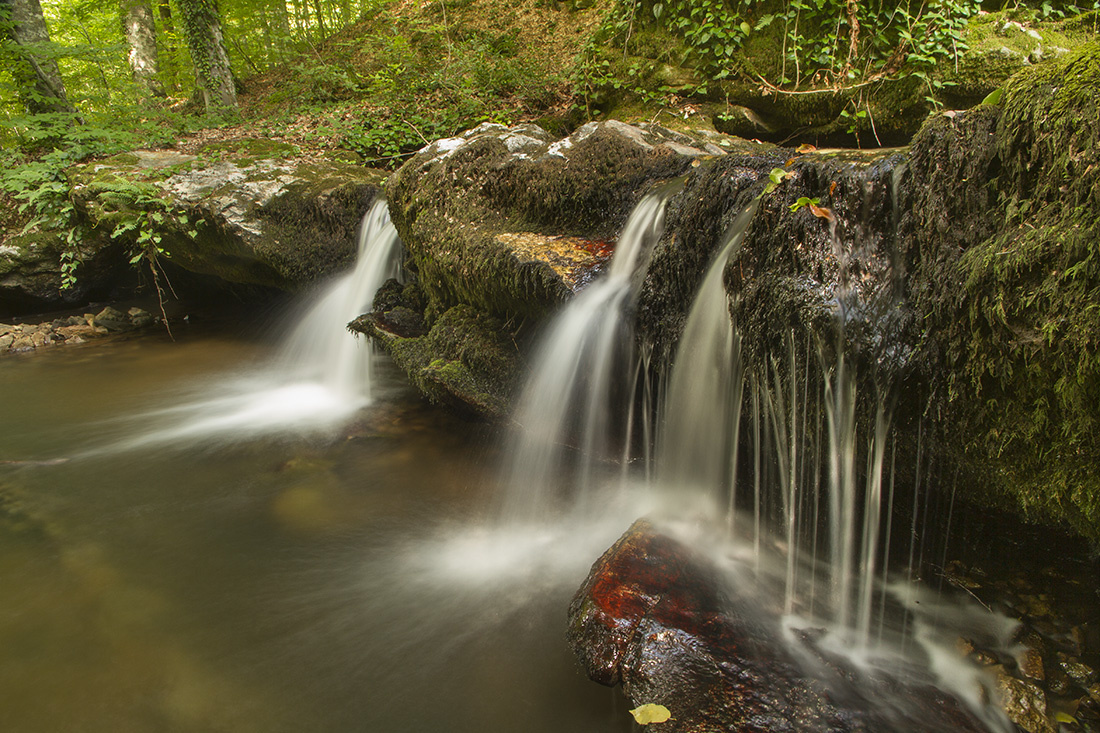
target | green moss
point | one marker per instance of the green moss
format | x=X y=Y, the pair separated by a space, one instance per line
x=1019 y=320
x=250 y=150
x=467 y=360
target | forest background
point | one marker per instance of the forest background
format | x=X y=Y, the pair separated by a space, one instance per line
x=371 y=81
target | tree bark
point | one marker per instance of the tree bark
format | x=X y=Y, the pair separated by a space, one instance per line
x=36 y=73
x=170 y=62
x=141 y=34
x=203 y=30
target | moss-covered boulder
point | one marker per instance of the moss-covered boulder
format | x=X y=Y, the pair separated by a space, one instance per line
x=251 y=212
x=512 y=222
x=466 y=359
x=1006 y=274
x=502 y=225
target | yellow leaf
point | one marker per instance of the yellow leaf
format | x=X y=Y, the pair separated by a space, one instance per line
x=1064 y=718
x=650 y=713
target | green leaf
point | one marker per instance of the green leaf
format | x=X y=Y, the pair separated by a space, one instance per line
x=994 y=97
x=804 y=201
x=650 y=713
x=746 y=27
x=658 y=10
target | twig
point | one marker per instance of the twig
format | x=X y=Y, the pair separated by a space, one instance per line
x=871 y=117
x=828 y=90
x=418 y=132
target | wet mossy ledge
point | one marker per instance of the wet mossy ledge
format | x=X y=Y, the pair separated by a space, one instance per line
x=1005 y=271
x=971 y=255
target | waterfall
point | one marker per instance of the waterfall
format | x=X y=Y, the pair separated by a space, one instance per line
x=789 y=403
x=704 y=396
x=320 y=377
x=319 y=350
x=566 y=414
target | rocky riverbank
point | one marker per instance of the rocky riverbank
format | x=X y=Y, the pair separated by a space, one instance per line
x=25 y=337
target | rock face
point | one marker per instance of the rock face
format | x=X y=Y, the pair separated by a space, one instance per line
x=656 y=618
x=502 y=225
x=476 y=211
x=247 y=212
x=30 y=273
x=799 y=267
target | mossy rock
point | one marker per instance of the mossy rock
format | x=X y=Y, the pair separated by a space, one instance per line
x=1011 y=288
x=255 y=215
x=467 y=207
x=467 y=360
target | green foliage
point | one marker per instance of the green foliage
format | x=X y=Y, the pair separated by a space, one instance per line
x=804 y=201
x=419 y=90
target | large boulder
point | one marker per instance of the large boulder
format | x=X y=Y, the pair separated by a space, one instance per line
x=659 y=619
x=502 y=225
x=248 y=211
x=513 y=222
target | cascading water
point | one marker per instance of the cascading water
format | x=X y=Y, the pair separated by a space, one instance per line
x=320 y=377
x=566 y=412
x=696 y=442
x=814 y=463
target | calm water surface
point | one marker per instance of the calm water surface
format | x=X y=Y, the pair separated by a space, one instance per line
x=279 y=584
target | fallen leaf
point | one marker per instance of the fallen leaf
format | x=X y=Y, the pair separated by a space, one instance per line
x=805 y=148
x=821 y=212
x=650 y=713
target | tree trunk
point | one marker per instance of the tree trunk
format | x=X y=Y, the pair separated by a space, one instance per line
x=171 y=61
x=141 y=34
x=203 y=30
x=36 y=74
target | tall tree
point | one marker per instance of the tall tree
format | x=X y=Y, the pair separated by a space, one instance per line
x=202 y=29
x=34 y=69
x=168 y=38
x=141 y=34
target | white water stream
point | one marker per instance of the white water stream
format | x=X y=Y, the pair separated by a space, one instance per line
x=320 y=377
x=567 y=414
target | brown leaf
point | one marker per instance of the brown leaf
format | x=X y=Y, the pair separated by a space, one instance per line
x=821 y=212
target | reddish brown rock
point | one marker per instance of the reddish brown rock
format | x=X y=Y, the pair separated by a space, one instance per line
x=652 y=615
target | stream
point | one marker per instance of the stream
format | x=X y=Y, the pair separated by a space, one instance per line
x=335 y=582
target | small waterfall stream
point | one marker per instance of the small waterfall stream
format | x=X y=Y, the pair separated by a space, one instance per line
x=821 y=473
x=567 y=414
x=320 y=377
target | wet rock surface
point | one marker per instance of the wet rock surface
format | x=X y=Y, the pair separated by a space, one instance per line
x=1047 y=678
x=658 y=619
x=502 y=225
x=466 y=359
x=469 y=208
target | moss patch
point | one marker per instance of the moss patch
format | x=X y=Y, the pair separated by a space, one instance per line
x=467 y=360
x=1022 y=364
